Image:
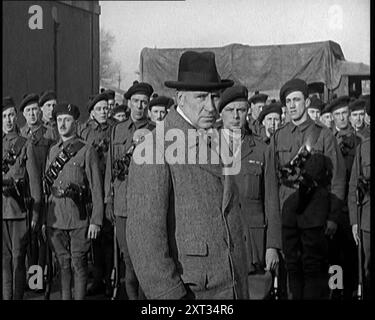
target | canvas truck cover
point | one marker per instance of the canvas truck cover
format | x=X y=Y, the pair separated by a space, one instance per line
x=263 y=68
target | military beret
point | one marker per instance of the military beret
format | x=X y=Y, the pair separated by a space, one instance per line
x=110 y=94
x=366 y=97
x=8 y=102
x=139 y=87
x=46 y=96
x=66 y=108
x=358 y=104
x=258 y=97
x=28 y=99
x=235 y=93
x=316 y=103
x=291 y=86
x=161 y=101
x=273 y=107
x=119 y=108
x=95 y=99
x=339 y=102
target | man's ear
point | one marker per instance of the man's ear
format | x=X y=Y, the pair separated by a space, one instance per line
x=180 y=98
x=307 y=102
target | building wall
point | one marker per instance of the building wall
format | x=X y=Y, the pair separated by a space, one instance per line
x=28 y=55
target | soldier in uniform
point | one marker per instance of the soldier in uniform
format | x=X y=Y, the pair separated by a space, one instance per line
x=158 y=107
x=311 y=192
x=343 y=249
x=360 y=179
x=97 y=131
x=184 y=230
x=41 y=137
x=270 y=118
x=21 y=202
x=123 y=141
x=257 y=186
x=257 y=101
x=315 y=108
x=357 y=117
x=74 y=212
x=119 y=113
x=47 y=103
x=326 y=117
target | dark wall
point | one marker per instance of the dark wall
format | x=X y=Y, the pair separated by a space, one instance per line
x=28 y=55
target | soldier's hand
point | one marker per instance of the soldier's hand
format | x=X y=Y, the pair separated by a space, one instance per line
x=331 y=228
x=93 y=231
x=44 y=235
x=109 y=214
x=355 y=233
x=272 y=259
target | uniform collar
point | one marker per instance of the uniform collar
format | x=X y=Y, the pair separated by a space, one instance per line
x=303 y=126
x=65 y=143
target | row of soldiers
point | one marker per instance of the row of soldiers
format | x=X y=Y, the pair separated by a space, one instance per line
x=73 y=187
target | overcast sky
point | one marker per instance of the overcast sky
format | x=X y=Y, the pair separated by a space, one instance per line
x=213 y=23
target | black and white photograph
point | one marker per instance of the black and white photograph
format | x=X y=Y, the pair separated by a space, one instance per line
x=186 y=150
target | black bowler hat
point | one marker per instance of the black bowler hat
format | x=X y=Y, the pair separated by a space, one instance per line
x=140 y=88
x=197 y=71
x=273 y=107
x=28 y=99
x=235 y=93
x=46 y=96
x=110 y=94
x=316 y=103
x=8 y=102
x=95 y=99
x=358 y=104
x=339 y=102
x=66 y=108
x=160 y=101
x=258 y=97
x=291 y=86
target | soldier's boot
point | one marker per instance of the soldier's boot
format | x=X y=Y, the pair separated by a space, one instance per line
x=7 y=277
x=19 y=275
x=66 y=281
x=80 y=276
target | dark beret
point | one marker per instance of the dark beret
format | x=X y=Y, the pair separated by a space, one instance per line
x=8 y=102
x=28 y=99
x=273 y=107
x=46 y=96
x=110 y=94
x=258 y=97
x=66 y=108
x=139 y=87
x=95 y=99
x=291 y=86
x=358 y=104
x=235 y=93
x=316 y=103
x=161 y=101
x=339 y=102
x=119 y=108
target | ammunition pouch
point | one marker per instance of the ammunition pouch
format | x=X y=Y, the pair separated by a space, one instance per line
x=9 y=160
x=121 y=167
x=18 y=190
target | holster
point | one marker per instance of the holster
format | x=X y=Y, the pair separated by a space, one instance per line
x=17 y=190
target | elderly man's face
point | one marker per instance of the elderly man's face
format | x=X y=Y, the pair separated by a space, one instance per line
x=201 y=107
x=357 y=118
x=32 y=114
x=9 y=117
x=234 y=115
x=341 y=117
x=157 y=113
x=271 y=122
x=100 y=111
x=326 y=119
x=313 y=113
x=138 y=104
x=47 y=109
x=256 y=109
x=296 y=105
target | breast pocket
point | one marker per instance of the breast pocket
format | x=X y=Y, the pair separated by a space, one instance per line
x=252 y=183
x=74 y=172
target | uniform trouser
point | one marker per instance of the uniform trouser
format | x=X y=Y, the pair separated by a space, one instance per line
x=15 y=240
x=306 y=262
x=103 y=254
x=132 y=287
x=38 y=255
x=366 y=240
x=71 y=248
